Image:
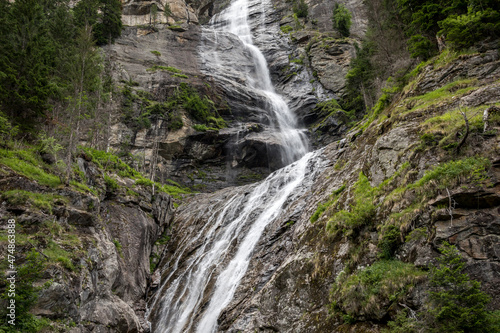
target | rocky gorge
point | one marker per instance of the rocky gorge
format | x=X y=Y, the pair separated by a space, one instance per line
x=266 y=244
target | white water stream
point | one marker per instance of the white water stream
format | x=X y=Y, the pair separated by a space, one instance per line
x=203 y=281
x=235 y=20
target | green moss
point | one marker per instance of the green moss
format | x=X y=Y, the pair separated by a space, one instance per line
x=182 y=76
x=362 y=209
x=368 y=290
x=110 y=162
x=118 y=247
x=170 y=69
x=82 y=188
x=286 y=29
x=57 y=254
x=471 y=169
x=41 y=201
x=111 y=184
x=200 y=127
x=28 y=164
x=324 y=206
x=156 y=53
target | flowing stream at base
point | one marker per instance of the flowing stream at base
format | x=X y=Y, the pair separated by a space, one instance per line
x=207 y=268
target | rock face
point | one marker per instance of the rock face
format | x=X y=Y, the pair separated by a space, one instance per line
x=103 y=288
x=305 y=68
x=138 y=12
x=296 y=262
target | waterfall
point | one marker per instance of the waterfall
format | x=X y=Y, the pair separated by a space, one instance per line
x=235 y=21
x=209 y=263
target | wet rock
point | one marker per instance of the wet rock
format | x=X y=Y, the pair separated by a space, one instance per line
x=330 y=58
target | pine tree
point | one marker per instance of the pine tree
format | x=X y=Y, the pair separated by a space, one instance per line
x=456 y=303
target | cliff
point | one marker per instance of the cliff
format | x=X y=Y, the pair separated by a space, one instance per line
x=350 y=248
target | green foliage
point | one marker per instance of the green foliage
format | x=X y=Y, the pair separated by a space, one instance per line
x=176 y=122
x=360 y=78
x=118 y=247
x=200 y=127
x=156 y=53
x=389 y=242
x=7 y=131
x=110 y=162
x=26 y=295
x=167 y=11
x=300 y=8
x=182 y=76
x=471 y=169
x=104 y=16
x=111 y=184
x=164 y=68
x=368 y=290
x=58 y=254
x=403 y=324
x=456 y=303
x=28 y=164
x=286 y=29
x=324 y=206
x=320 y=210
x=30 y=39
x=420 y=47
x=463 y=23
x=362 y=209
x=41 y=201
x=463 y=31
x=341 y=19
x=48 y=145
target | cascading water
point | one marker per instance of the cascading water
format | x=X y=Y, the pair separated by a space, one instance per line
x=235 y=21
x=204 y=273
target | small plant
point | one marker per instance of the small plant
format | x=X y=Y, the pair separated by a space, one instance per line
x=368 y=290
x=200 y=127
x=167 y=12
x=300 y=8
x=156 y=53
x=362 y=209
x=111 y=184
x=389 y=242
x=286 y=29
x=341 y=19
x=118 y=247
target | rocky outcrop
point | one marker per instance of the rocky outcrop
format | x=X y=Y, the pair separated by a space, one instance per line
x=99 y=275
x=139 y=12
x=296 y=262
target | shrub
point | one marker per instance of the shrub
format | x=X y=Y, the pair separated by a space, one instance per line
x=200 y=128
x=456 y=303
x=341 y=19
x=420 y=47
x=26 y=294
x=362 y=209
x=111 y=184
x=286 y=29
x=175 y=123
x=389 y=242
x=371 y=290
x=7 y=131
x=300 y=8
x=463 y=31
